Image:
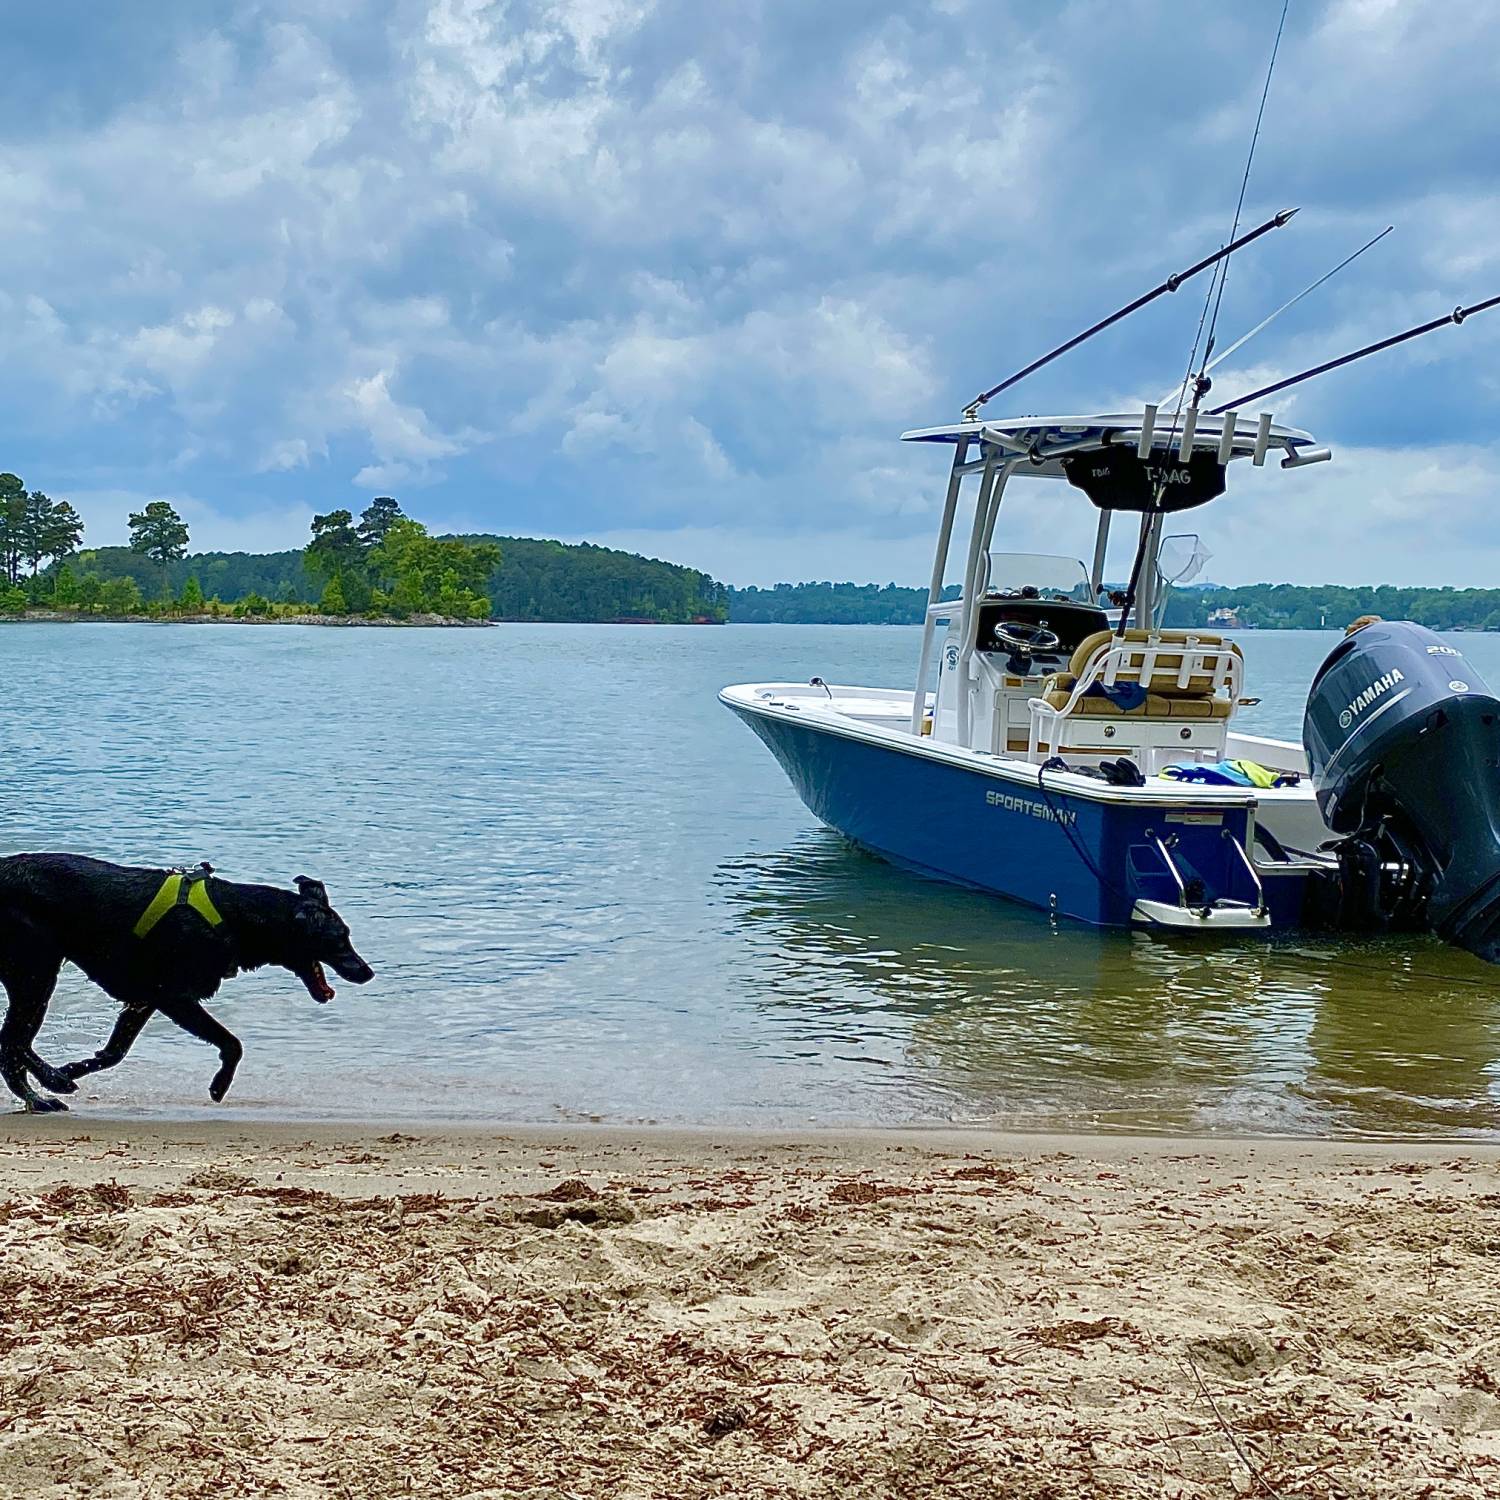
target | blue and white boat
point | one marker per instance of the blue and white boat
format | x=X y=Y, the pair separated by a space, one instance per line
x=1046 y=753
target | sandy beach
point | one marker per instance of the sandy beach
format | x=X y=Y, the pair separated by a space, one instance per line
x=192 y=1309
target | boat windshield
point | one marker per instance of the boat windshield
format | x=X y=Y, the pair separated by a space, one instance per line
x=1051 y=577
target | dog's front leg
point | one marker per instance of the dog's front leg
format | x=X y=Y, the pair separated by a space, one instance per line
x=196 y=1021
x=121 y=1040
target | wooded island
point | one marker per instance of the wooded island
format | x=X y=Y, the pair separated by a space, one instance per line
x=384 y=567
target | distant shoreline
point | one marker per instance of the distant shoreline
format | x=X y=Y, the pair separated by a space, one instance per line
x=69 y=617
x=420 y=622
x=443 y=622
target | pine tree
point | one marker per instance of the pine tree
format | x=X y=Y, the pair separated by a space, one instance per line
x=64 y=588
x=159 y=533
x=378 y=518
x=332 y=602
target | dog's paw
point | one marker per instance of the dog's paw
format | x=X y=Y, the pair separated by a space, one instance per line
x=218 y=1088
x=45 y=1107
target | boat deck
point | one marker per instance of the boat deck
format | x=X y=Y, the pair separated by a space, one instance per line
x=883 y=715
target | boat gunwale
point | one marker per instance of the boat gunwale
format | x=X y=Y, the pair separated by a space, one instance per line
x=981 y=763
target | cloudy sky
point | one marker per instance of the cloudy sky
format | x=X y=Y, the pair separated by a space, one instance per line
x=674 y=276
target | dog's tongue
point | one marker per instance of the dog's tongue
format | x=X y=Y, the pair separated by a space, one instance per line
x=318 y=983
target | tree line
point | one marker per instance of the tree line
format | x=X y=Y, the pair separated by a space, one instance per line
x=1288 y=606
x=578 y=581
x=1263 y=606
x=388 y=564
x=828 y=604
x=385 y=564
x=34 y=529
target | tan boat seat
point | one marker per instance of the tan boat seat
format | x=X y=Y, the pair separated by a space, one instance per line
x=1171 y=673
x=1191 y=681
x=1056 y=693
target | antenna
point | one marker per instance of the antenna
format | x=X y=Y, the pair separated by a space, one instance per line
x=1169 y=285
x=1151 y=521
x=1455 y=317
x=1222 y=274
x=1265 y=323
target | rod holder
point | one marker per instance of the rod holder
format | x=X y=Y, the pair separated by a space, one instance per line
x=1226 y=436
x=1262 y=439
x=1148 y=429
x=1189 y=430
x=1305 y=456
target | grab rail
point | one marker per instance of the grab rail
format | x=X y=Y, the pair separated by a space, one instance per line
x=1171 y=865
x=1260 y=890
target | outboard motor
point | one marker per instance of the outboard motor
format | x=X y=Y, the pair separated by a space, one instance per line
x=1403 y=738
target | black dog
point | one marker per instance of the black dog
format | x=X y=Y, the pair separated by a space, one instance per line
x=155 y=940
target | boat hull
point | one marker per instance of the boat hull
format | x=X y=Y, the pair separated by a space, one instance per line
x=1095 y=858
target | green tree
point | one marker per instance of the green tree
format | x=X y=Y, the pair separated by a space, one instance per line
x=13 y=600
x=120 y=596
x=426 y=574
x=333 y=601
x=64 y=587
x=335 y=546
x=159 y=533
x=376 y=521
x=48 y=529
x=336 y=552
x=12 y=526
x=64 y=531
x=190 y=601
x=90 y=592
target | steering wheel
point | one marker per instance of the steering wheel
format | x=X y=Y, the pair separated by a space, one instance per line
x=1025 y=639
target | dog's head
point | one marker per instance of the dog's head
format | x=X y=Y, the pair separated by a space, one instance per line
x=322 y=937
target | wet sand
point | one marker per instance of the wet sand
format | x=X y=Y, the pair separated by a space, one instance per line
x=222 y=1309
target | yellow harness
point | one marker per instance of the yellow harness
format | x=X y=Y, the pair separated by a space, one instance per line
x=180 y=889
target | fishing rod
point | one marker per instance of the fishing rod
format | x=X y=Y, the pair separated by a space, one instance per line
x=1169 y=285
x=1265 y=323
x=1455 y=317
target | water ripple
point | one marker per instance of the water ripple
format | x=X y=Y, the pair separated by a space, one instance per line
x=589 y=893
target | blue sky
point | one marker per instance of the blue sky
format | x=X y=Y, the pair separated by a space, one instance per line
x=674 y=276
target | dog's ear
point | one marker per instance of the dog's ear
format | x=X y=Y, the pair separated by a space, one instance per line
x=311 y=890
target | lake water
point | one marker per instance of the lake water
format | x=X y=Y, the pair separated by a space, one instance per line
x=590 y=893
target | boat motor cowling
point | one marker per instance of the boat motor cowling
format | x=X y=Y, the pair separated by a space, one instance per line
x=1403 y=741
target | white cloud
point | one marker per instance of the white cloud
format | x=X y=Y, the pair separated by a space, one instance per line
x=1410 y=516
x=271 y=529
x=387 y=476
x=660 y=269
x=396 y=431
x=291 y=453
x=176 y=350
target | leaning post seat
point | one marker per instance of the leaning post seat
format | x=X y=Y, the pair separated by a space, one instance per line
x=1191 y=680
